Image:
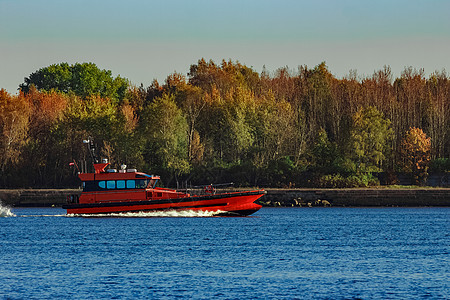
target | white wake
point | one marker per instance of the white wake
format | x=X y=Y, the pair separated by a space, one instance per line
x=155 y=214
x=5 y=212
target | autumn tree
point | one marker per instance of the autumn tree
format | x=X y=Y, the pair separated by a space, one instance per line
x=228 y=75
x=14 y=113
x=438 y=113
x=136 y=96
x=44 y=156
x=416 y=152
x=127 y=140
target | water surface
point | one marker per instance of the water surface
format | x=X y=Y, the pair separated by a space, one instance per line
x=334 y=253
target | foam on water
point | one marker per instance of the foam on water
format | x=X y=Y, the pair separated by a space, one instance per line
x=5 y=212
x=33 y=216
x=154 y=214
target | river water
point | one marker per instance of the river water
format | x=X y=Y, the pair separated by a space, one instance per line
x=277 y=253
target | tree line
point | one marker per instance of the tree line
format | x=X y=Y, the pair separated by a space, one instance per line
x=227 y=123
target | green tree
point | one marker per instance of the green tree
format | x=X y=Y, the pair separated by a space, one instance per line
x=95 y=117
x=225 y=125
x=273 y=128
x=84 y=80
x=190 y=99
x=164 y=130
x=317 y=101
x=370 y=138
x=325 y=154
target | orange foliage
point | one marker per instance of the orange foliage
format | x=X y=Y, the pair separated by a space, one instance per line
x=46 y=108
x=416 y=150
x=131 y=119
x=14 y=113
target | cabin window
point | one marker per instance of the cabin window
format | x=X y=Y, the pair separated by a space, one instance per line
x=153 y=183
x=89 y=186
x=120 y=184
x=111 y=184
x=141 y=183
x=131 y=184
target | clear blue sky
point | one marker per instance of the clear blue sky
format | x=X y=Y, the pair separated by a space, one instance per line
x=143 y=39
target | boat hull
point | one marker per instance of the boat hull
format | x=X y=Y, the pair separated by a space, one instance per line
x=227 y=204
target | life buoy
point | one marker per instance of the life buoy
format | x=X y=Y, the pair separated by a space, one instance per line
x=209 y=189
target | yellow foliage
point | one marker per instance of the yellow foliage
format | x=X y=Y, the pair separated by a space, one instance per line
x=416 y=149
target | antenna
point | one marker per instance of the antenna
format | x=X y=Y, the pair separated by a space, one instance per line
x=91 y=147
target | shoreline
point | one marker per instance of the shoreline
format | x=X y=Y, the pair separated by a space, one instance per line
x=358 y=197
x=275 y=197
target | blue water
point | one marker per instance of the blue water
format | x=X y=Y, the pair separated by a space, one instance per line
x=279 y=253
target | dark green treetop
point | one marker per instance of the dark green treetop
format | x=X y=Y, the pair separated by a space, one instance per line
x=84 y=79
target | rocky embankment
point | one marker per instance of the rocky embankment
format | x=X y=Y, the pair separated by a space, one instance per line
x=357 y=197
x=36 y=198
x=273 y=198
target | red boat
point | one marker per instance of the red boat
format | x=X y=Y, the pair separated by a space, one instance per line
x=109 y=191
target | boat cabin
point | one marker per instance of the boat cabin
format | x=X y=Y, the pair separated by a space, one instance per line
x=108 y=185
x=110 y=179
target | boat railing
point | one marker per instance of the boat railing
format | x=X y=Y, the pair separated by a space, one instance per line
x=210 y=189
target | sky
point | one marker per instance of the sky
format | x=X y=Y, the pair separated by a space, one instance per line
x=143 y=40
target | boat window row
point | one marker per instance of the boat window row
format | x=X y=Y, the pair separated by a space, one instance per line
x=89 y=186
